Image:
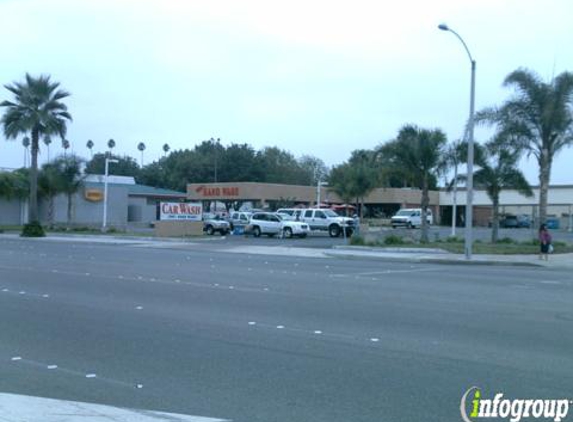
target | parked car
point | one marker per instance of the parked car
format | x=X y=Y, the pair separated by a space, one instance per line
x=523 y=221
x=411 y=218
x=326 y=220
x=215 y=223
x=239 y=218
x=509 y=222
x=271 y=224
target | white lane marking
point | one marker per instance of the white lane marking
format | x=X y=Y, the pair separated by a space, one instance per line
x=120 y=277
x=266 y=289
x=16 y=358
x=317 y=332
x=45 y=295
x=139 y=308
x=252 y=323
x=231 y=287
x=17 y=408
x=374 y=339
x=372 y=273
x=91 y=376
x=280 y=327
x=553 y=282
x=177 y=280
x=22 y=292
x=52 y=366
x=5 y=290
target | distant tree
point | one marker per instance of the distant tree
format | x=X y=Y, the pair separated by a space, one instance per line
x=340 y=182
x=47 y=141
x=26 y=145
x=37 y=111
x=65 y=146
x=416 y=154
x=90 y=146
x=312 y=170
x=141 y=148
x=166 y=149
x=539 y=118
x=111 y=145
x=126 y=166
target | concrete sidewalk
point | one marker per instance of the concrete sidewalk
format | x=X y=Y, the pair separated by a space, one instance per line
x=439 y=256
x=20 y=408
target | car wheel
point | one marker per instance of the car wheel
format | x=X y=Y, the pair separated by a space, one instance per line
x=209 y=230
x=256 y=231
x=287 y=232
x=334 y=231
x=393 y=227
x=409 y=225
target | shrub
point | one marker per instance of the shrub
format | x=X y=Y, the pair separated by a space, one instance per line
x=393 y=240
x=506 y=240
x=357 y=241
x=33 y=229
x=453 y=239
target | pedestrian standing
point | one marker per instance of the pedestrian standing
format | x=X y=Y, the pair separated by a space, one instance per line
x=544 y=242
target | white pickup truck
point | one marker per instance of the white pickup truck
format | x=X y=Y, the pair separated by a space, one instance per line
x=326 y=220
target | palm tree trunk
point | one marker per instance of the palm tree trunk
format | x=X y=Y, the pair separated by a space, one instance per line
x=495 y=220
x=33 y=208
x=425 y=202
x=544 y=176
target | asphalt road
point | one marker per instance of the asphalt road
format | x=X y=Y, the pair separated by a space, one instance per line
x=270 y=338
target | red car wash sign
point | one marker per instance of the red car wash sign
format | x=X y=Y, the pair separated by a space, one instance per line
x=218 y=191
x=191 y=211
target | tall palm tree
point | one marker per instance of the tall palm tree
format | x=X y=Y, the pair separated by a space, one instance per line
x=36 y=110
x=110 y=145
x=90 y=146
x=141 y=148
x=166 y=149
x=416 y=154
x=26 y=145
x=47 y=141
x=540 y=118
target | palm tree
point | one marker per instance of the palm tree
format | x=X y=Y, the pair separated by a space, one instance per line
x=69 y=179
x=498 y=171
x=36 y=110
x=166 y=149
x=540 y=119
x=110 y=145
x=417 y=155
x=65 y=146
x=26 y=145
x=141 y=148
x=47 y=141
x=90 y=146
x=454 y=155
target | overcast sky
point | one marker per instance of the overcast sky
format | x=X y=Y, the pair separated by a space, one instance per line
x=313 y=77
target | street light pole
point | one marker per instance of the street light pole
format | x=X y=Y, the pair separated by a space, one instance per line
x=107 y=161
x=470 y=165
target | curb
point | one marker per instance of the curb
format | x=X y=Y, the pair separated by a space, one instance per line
x=432 y=260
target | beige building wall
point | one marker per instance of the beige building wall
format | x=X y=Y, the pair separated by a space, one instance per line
x=248 y=191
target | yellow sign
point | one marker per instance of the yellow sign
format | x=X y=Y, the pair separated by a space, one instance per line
x=93 y=195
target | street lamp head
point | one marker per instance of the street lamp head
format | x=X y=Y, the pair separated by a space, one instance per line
x=443 y=27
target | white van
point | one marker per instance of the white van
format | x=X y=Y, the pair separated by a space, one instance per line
x=411 y=218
